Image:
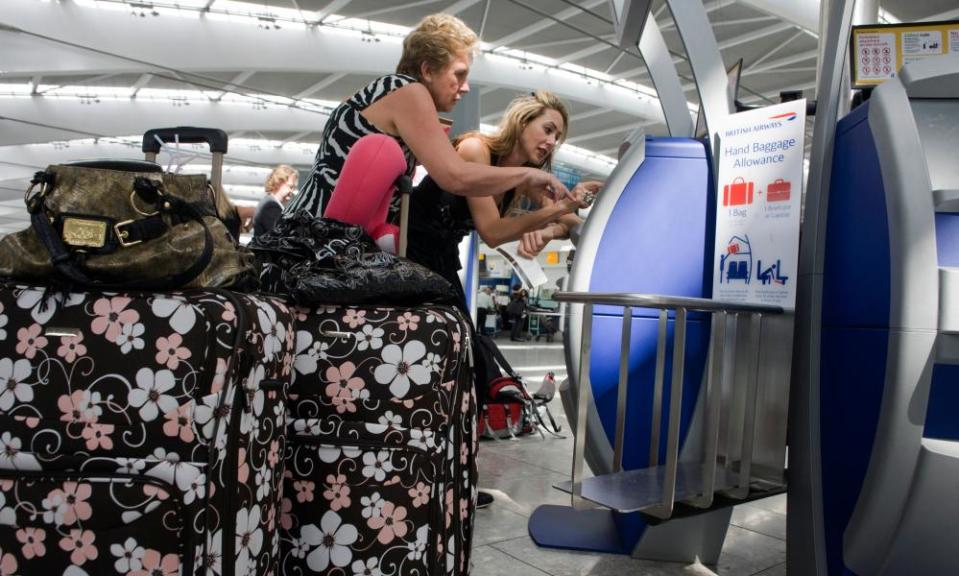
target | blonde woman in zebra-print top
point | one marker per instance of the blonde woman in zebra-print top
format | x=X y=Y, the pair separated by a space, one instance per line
x=430 y=78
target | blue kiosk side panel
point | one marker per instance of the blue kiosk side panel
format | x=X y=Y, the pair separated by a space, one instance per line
x=656 y=241
x=855 y=321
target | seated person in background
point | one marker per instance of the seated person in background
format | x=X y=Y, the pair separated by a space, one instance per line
x=430 y=78
x=280 y=187
x=484 y=304
x=517 y=312
x=529 y=133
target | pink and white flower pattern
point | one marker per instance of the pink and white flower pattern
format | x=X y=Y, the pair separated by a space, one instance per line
x=399 y=367
x=90 y=409
x=111 y=315
x=367 y=417
x=332 y=540
x=149 y=395
x=13 y=382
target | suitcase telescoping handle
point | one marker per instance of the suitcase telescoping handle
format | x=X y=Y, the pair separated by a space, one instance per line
x=405 y=187
x=214 y=137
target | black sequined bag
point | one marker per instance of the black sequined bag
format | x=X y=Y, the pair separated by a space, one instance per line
x=320 y=260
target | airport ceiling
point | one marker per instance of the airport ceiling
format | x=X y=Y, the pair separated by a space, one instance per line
x=776 y=39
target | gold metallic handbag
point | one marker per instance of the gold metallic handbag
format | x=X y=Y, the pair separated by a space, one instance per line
x=124 y=224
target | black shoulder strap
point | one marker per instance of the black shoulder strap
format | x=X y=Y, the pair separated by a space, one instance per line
x=488 y=343
x=63 y=261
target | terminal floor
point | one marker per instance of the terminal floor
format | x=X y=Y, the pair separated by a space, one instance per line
x=520 y=474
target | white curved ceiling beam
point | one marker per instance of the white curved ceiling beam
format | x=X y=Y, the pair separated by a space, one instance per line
x=70 y=119
x=247 y=162
x=198 y=45
x=34 y=120
x=754 y=35
x=21 y=162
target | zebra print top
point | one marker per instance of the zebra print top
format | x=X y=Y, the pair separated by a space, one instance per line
x=345 y=126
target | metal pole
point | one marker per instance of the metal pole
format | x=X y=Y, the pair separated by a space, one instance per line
x=579 y=443
x=658 y=389
x=622 y=389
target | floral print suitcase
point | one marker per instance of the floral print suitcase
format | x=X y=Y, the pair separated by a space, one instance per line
x=381 y=472
x=141 y=434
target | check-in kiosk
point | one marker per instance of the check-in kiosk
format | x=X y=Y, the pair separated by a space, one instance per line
x=888 y=382
x=678 y=402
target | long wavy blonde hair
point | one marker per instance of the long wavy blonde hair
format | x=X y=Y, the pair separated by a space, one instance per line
x=520 y=112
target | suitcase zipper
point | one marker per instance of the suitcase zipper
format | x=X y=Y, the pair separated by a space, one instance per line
x=236 y=370
x=465 y=373
x=232 y=486
x=186 y=530
x=313 y=440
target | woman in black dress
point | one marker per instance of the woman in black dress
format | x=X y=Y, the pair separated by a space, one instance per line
x=531 y=130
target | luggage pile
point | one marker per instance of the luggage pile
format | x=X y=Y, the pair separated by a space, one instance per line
x=209 y=432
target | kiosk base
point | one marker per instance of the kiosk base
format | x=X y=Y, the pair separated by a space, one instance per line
x=564 y=527
x=698 y=538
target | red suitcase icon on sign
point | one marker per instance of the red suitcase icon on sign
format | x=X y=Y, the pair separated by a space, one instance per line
x=778 y=191
x=738 y=193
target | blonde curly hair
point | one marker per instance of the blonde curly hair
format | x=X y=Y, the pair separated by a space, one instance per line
x=278 y=177
x=436 y=40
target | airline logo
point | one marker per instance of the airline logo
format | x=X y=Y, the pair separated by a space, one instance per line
x=788 y=116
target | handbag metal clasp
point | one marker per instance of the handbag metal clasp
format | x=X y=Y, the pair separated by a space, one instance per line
x=84 y=232
x=122 y=235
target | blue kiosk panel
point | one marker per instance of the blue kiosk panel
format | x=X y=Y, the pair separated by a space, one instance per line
x=854 y=324
x=656 y=241
x=656 y=238
x=887 y=344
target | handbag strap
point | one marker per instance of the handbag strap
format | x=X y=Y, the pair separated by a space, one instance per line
x=63 y=261
x=490 y=345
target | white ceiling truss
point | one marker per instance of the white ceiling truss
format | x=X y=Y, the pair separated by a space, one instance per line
x=80 y=69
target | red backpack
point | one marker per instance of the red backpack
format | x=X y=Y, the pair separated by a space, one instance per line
x=506 y=413
x=509 y=409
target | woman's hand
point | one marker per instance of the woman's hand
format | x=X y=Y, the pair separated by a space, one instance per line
x=532 y=243
x=581 y=196
x=542 y=183
x=589 y=189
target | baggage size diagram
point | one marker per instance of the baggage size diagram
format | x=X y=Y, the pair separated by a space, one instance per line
x=778 y=191
x=771 y=275
x=737 y=263
x=739 y=192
